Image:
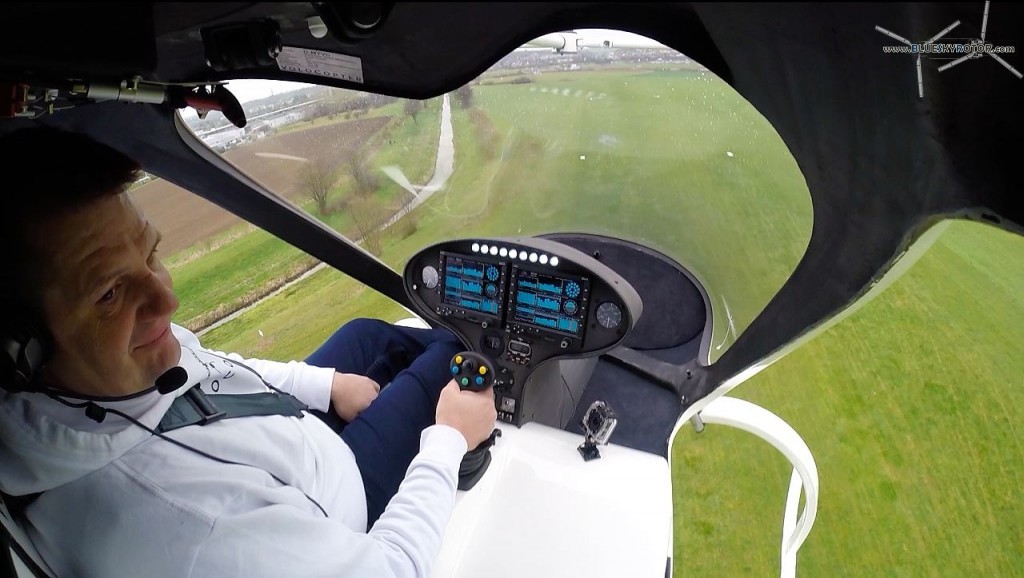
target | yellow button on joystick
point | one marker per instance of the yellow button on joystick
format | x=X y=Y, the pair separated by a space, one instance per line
x=483 y=370
x=458 y=359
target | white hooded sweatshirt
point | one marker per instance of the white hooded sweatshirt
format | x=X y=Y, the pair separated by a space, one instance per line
x=118 y=501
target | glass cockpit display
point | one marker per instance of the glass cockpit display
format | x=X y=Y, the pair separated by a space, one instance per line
x=548 y=302
x=472 y=285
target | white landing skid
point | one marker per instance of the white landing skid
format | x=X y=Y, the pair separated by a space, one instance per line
x=766 y=425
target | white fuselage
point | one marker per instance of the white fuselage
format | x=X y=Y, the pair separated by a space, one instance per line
x=540 y=510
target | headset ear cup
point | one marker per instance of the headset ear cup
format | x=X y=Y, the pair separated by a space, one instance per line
x=10 y=378
x=26 y=348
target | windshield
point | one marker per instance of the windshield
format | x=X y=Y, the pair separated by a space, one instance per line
x=641 y=144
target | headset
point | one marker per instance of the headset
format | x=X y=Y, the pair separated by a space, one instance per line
x=25 y=347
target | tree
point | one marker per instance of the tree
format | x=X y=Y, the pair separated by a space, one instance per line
x=408 y=223
x=412 y=108
x=369 y=216
x=364 y=179
x=316 y=179
x=464 y=96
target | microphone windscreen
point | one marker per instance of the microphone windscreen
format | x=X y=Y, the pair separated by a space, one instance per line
x=171 y=380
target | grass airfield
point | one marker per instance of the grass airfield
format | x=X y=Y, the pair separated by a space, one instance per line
x=911 y=406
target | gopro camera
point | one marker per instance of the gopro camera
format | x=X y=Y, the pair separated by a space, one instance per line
x=598 y=424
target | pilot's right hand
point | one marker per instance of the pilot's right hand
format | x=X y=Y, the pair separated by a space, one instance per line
x=470 y=412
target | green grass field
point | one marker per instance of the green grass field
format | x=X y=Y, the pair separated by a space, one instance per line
x=584 y=158
x=910 y=406
x=676 y=161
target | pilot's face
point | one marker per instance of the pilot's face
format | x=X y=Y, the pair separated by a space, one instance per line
x=106 y=299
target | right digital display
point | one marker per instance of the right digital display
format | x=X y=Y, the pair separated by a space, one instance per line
x=550 y=302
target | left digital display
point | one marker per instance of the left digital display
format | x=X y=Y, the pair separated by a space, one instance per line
x=472 y=285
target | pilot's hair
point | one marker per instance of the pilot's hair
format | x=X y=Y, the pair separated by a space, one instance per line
x=45 y=172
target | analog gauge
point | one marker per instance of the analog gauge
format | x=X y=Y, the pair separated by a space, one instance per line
x=609 y=315
x=430 y=277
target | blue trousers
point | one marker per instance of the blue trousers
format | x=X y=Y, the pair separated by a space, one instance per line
x=412 y=367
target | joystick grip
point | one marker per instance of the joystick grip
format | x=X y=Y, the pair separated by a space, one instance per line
x=472 y=371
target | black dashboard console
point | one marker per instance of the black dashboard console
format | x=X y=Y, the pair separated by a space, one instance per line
x=522 y=302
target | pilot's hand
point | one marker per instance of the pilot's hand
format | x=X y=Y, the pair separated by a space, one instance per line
x=351 y=393
x=472 y=413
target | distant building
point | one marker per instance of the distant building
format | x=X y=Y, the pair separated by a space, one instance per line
x=258 y=130
x=223 y=140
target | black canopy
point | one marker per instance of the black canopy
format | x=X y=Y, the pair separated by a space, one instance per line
x=881 y=162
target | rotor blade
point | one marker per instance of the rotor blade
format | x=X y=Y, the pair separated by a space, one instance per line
x=396 y=174
x=984 y=22
x=557 y=40
x=945 y=67
x=920 y=79
x=893 y=35
x=1006 y=64
x=943 y=33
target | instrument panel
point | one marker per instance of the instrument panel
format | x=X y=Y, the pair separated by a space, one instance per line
x=521 y=302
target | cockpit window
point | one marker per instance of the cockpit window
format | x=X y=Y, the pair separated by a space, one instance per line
x=619 y=138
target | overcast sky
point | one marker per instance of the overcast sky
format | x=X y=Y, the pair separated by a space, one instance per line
x=247 y=90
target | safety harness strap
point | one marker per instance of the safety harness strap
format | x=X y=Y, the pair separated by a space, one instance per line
x=197 y=408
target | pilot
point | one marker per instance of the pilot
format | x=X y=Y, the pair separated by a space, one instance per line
x=127 y=468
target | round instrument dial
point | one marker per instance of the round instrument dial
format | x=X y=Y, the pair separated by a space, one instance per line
x=430 y=277
x=609 y=315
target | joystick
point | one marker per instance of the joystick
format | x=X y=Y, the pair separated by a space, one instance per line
x=474 y=372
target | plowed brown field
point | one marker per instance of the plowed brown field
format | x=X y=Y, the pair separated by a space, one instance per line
x=185 y=218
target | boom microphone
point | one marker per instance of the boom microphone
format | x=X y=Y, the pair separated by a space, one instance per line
x=171 y=380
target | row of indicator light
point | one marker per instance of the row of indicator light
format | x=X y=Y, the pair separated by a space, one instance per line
x=514 y=254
